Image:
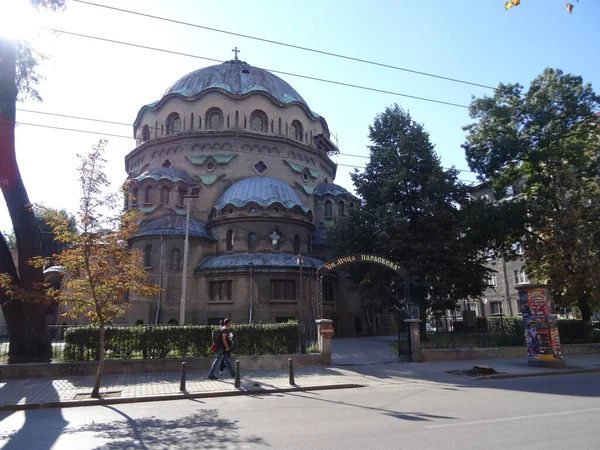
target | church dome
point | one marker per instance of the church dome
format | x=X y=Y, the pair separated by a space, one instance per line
x=261 y=190
x=235 y=77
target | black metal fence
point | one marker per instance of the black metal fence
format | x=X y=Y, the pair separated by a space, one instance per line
x=446 y=333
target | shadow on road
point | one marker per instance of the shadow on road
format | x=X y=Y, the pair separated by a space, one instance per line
x=45 y=431
x=204 y=429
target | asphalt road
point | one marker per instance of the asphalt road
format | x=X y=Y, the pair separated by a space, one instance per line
x=558 y=412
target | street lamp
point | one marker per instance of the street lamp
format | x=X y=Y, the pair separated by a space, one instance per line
x=191 y=193
x=300 y=261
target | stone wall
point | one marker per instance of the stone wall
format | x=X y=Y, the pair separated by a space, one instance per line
x=71 y=369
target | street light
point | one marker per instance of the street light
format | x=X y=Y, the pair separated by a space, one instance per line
x=300 y=261
x=191 y=193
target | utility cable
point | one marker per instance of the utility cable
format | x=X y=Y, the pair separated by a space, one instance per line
x=306 y=77
x=298 y=47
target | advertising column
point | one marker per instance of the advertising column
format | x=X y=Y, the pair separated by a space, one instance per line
x=541 y=327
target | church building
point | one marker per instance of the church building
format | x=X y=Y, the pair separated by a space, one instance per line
x=241 y=152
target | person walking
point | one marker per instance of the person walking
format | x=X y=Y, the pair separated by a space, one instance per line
x=223 y=342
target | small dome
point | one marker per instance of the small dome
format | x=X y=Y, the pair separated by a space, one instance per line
x=332 y=189
x=261 y=190
x=173 y=226
x=164 y=173
x=237 y=78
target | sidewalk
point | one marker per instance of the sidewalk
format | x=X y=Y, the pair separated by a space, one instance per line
x=35 y=393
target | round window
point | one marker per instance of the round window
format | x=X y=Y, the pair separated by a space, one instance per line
x=210 y=166
x=253 y=210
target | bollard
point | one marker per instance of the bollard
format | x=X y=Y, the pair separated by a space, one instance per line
x=291 y=368
x=182 y=382
x=237 y=374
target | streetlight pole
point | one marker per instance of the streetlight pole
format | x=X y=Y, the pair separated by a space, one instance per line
x=184 y=271
x=300 y=261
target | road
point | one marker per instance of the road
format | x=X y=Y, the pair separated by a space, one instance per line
x=557 y=412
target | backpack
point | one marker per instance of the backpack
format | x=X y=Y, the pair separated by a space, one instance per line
x=216 y=334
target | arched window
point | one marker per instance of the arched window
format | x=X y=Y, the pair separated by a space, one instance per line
x=172 y=322
x=175 y=259
x=341 y=209
x=252 y=242
x=146 y=133
x=134 y=196
x=214 y=119
x=328 y=212
x=173 y=123
x=148 y=255
x=164 y=195
x=296 y=245
x=296 y=131
x=149 y=195
x=258 y=121
x=229 y=240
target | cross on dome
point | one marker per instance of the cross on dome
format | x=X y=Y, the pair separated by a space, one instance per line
x=236 y=51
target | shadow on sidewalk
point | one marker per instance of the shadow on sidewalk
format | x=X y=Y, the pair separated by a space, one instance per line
x=41 y=429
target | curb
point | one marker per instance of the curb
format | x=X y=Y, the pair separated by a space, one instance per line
x=504 y=376
x=174 y=396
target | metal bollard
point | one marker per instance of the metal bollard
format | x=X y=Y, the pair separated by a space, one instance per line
x=291 y=369
x=237 y=374
x=182 y=382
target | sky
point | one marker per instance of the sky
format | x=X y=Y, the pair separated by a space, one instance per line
x=470 y=40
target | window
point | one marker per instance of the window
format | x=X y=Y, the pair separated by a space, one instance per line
x=328 y=209
x=219 y=290
x=283 y=290
x=181 y=197
x=214 y=119
x=175 y=259
x=327 y=292
x=149 y=195
x=134 y=196
x=229 y=240
x=296 y=131
x=492 y=280
x=495 y=307
x=164 y=195
x=258 y=121
x=471 y=306
x=520 y=276
x=173 y=123
x=296 y=245
x=146 y=133
x=173 y=322
x=148 y=255
x=341 y=209
x=252 y=242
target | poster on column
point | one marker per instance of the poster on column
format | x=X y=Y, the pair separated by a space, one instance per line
x=541 y=333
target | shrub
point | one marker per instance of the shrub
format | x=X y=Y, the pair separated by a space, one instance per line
x=163 y=341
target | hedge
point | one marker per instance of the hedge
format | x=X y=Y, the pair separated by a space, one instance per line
x=570 y=331
x=191 y=341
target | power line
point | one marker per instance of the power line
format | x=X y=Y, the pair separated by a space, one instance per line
x=129 y=137
x=298 y=47
x=306 y=77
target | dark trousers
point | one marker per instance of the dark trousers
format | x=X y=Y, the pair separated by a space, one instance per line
x=222 y=355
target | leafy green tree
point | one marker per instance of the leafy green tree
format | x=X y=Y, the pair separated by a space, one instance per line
x=543 y=145
x=26 y=322
x=102 y=274
x=416 y=213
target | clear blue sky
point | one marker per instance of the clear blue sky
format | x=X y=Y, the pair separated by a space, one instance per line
x=474 y=40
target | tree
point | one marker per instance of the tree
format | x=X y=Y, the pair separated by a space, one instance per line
x=415 y=213
x=544 y=143
x=26 y=321
x=102 y=274
x=508 y=5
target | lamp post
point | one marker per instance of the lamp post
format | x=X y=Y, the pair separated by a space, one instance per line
x=192 y=193
x=300 y=261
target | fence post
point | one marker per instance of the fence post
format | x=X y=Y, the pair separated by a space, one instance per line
x=182 y=382
x=291 y=371
x=237 y=374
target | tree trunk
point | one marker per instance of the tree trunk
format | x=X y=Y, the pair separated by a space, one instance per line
x=101 y=334
x=29 y=341
x=584 y=307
